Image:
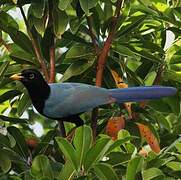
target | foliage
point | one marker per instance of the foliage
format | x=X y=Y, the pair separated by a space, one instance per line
x=80 y=39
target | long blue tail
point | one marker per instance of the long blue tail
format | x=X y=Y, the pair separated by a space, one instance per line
x=136 y=94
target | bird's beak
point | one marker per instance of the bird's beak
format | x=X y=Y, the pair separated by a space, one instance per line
x=17 y=77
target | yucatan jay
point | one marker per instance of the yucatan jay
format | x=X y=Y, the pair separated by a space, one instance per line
x=66 y=101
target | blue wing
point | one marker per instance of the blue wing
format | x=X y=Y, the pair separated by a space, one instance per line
x=73 y=98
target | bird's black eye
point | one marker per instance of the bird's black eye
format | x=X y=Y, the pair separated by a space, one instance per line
x=31 y=76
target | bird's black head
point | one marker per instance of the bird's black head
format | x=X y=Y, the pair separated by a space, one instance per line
x=34 y=82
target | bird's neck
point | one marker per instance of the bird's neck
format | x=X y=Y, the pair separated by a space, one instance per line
x=38 y=94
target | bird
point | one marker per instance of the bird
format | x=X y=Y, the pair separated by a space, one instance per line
x=67 y=101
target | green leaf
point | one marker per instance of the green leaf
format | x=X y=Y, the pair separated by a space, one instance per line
x=78 y=51
x=3 y=68
x=5 y=162
x=172 y=75
x=21 y=40
x=13 y=120
x=23 y=104
x=119 y=142
x=21 y=146
x=178 y=147
x=76 y=69
x=105 y=171
x=41 y=168
x=9 y=95
x=24 y=57
x=133 y=167
x=67 y=171
x=38 y=8
x=152 y=173
x=125 y=51
x=97 y=152
x=133 y=23
x=4 y=141
x=87 y=4
x=68 y=151
x=63 y=4
x=45 y=142
x=7 y=21
x=60 y=21
x=175 y=166
x=82 y=142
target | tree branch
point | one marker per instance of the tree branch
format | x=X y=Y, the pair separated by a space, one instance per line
x=34 y=43
x=92 y=35
x=52 y=64
x=103 y=56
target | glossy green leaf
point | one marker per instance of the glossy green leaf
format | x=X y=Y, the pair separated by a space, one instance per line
x=5 y=163
x=63 y=4
x=21 y=39
x=125 y=51
x=45 y=142
x=67 y=172
x=86 y=5
x=24 y=57
x=68 y=151
x=41 y=168
x=4 y=141
x=82 y=142
x=38 y=8
x=133 y=167
x=178 y=147
x=119 y=142
x=7 y=21
x=60 y=21
x=152 y=173
x=13 y=120
x=21 y=146
x=78 y=51
x=134 y=22
x=175 y=166
x=3 y=68
x=76 y=68
x=23 y=104
x=97 y=152
x=105 y=171
x=9 y=95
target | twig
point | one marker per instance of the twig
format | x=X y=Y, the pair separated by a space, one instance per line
x=158 y=76
x=92 y=35
x=7 y=46
x=35 y=46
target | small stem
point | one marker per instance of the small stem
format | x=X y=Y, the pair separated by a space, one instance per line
x=7 y=46
x=62 y=129
x=158 y=76
x=92 y=35
x=35 y=46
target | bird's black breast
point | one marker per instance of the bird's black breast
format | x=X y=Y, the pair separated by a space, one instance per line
x=39 y=105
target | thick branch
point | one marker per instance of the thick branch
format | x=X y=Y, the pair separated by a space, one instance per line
x=5 y=44
x=52 y=64
x=35 y=46
x=103 y=56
